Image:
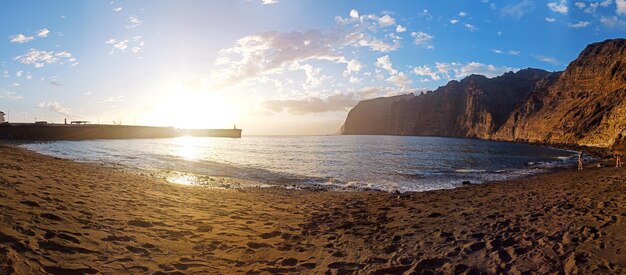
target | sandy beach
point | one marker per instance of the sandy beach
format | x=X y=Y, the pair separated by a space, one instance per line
x=63 y=217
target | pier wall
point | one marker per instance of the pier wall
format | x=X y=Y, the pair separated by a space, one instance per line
x=31 y=131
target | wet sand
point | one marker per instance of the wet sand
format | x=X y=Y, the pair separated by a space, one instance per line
x=63 y=217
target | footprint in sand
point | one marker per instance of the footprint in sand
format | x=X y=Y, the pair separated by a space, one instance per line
x=113 y=238
x=30 y=203
x=270 y=234
x=205 y=228
x=138 y=250
x=53 y=246
x=254 y=245
x=51 y=216
x=140 y=223
x=309 y=265
x=289 y=262
x=59 y=270
x=392 y=270
x=345 y=266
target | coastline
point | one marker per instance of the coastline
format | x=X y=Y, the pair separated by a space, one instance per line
x=60 y=216
x=448 y=173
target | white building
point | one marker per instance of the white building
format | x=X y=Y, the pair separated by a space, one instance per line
x=1 y=117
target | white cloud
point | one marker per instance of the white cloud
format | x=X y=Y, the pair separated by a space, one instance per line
x=111 y=98
x=518 y=10
x=308 y=105
x=612 y=21
x=379 y=45
x=354 y=14
x=425 y=14
x=547 y=59
x=579 y=24
x=133 y=22
x=580 y=5
x=462 y=14
x=43 y=32
x=135 y=44
x=256 y=55
x=55 y=107
x=606 y=3
x=423 y=39
x=400 y=79
x=10 y=95
x=470 y=27
x=41 y=58
x=454 y=21
x=457 y=71
x=19 y=73
x=20 y=38
x=121 y=45
x=592 y=7
x=6 y=73
x=384 y=62
x=509 y=52
x=620 y=7
x=386 y=20
x=559 y=7
x=314 y=77
x=269 y=2
x=400 y=28
x=550 y=20
x=426 y=71
x=118 y=9
x=255 y=58
x=353 y=66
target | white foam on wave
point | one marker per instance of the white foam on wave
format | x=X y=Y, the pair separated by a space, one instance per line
x=470 y=171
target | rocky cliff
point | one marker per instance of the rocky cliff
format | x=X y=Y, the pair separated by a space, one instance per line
x=585 y=104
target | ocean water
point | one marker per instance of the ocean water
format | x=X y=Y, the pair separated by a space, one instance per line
x=388 y=163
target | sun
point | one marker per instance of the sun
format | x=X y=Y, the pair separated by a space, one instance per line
x=187 y=108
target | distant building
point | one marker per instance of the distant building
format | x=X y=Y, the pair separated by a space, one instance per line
x=1 y=117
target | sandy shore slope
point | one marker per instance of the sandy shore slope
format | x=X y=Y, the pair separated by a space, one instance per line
x=63 y=217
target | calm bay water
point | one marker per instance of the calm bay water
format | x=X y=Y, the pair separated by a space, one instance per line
x=387 y=163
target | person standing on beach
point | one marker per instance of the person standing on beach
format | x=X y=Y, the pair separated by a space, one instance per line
x=580 y=160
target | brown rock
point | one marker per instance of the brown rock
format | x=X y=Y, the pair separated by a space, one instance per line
x=584 y=105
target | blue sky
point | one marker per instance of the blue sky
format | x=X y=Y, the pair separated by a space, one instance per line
x=272 y=67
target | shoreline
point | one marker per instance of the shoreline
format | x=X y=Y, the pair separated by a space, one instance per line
x=61 y=216
x=294 y=181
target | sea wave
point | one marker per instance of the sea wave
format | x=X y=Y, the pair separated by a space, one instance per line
x=383 y=163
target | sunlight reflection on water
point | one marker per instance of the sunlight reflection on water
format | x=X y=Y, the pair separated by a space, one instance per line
x=187 y=147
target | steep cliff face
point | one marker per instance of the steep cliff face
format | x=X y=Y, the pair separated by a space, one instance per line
x=371 y=116
x=585 y=104
x=473 y=107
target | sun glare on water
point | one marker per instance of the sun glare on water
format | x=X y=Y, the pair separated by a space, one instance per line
x=187 y=147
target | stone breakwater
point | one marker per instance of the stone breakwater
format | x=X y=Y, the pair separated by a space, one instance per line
x=47 y=132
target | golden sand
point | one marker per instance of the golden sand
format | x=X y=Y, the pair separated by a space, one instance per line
x=60 y=217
